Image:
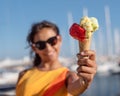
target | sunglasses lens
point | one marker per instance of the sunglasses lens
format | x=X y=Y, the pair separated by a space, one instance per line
x=52 y=41
x=40 y=45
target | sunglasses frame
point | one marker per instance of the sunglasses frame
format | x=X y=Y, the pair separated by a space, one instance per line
x=52 y=41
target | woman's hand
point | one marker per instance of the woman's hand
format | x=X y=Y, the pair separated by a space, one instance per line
x=78 y=83
x=87 y=65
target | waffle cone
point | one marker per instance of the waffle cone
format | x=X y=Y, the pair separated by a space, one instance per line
x=84 y=45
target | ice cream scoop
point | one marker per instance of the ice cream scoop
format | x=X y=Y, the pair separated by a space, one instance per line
x=83 y=31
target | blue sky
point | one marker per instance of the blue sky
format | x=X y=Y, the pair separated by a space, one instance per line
x=17 y=16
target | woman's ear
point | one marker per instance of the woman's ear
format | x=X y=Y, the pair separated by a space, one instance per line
x=33 y=48
x=60 y=38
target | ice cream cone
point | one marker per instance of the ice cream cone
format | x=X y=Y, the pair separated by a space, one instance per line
x=84 y=45
x=83 y=33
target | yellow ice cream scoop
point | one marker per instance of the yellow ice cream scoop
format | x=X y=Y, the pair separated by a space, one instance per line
x=89 y=24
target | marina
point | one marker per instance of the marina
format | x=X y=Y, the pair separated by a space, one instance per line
x=106 y=82
x=18 y=15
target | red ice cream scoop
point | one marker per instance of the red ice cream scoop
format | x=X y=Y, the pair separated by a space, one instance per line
x=77 y=32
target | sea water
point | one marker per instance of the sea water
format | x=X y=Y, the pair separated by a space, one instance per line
x=101 y=86
x=104 y=86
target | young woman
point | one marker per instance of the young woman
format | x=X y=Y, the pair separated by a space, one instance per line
x=48 y=77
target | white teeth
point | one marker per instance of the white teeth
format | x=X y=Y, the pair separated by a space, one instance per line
x=50 y=53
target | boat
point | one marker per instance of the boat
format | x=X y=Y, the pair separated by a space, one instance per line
x=108 y=68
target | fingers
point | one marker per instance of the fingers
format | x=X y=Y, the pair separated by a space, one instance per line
x=85 y=69
x=86 y=72
x=87 y=53
x=87 y=77
x=87 y=58
x=87 y=65
x=86 y=62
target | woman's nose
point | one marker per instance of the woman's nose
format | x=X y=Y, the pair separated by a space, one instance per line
x=48 y=46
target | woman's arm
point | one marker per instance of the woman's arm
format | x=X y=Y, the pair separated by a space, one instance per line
x=75 y=84
x=21 y=75
x=78 y=83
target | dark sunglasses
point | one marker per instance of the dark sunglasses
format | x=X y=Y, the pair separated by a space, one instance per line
x=42 y=44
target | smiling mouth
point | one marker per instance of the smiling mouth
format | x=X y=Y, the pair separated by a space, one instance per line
x=49 y=53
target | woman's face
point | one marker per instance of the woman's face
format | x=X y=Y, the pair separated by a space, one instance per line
x=48 y=52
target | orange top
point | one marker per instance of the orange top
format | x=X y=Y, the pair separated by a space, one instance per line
x=43 y=83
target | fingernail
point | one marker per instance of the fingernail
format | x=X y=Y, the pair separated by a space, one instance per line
x=82 y=53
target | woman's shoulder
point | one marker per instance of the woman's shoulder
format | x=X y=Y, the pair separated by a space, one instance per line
x=23 y=72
